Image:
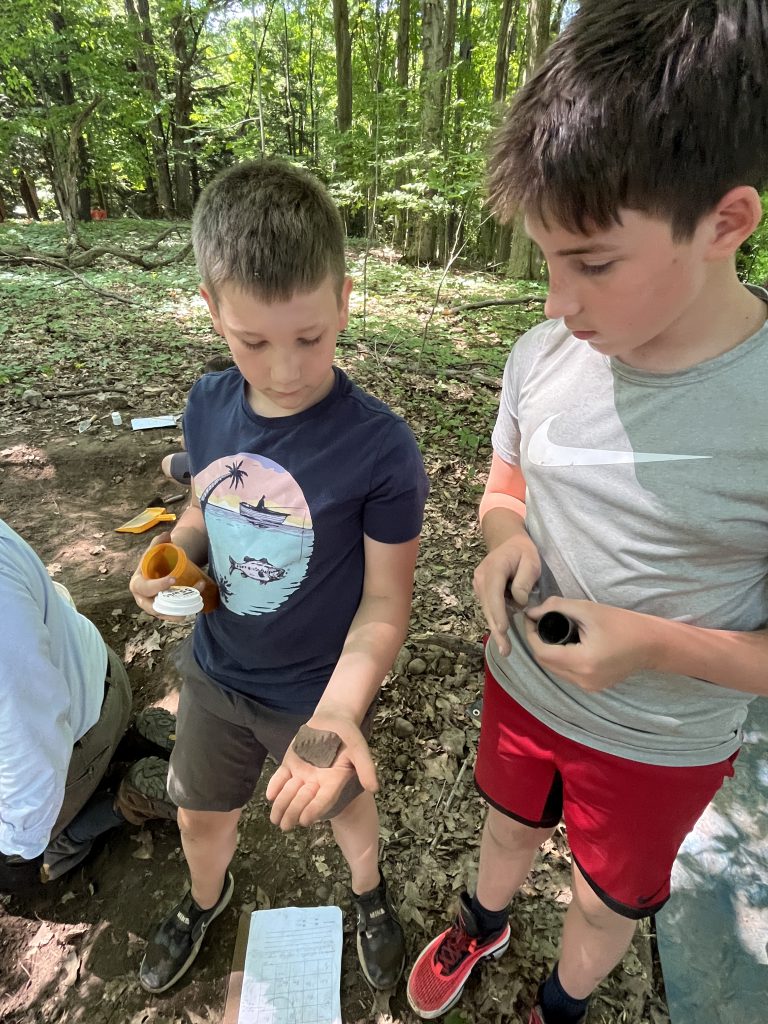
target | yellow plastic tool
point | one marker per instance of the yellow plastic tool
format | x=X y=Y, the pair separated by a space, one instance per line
x=146 y=520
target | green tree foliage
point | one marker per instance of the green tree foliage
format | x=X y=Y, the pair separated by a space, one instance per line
x=133 y=105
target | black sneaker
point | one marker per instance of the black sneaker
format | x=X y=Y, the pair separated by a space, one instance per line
x=177 y=940
x=380 y=939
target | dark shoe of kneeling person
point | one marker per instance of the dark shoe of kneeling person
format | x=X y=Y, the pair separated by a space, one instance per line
x=19 y=876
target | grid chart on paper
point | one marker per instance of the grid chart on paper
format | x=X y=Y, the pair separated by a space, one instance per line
x=291 y=993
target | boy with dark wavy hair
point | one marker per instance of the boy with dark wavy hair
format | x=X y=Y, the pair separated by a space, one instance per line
x=629 y=482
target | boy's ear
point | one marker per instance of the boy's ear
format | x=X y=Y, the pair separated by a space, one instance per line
x=212 y=309
x=346 y=290
x=733 y=220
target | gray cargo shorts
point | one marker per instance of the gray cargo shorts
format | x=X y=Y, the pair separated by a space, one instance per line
x=223 y=739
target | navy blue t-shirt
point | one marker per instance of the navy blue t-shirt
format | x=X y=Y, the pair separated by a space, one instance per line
x=286 y=502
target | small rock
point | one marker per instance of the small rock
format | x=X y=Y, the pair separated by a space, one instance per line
x=453 y=740
x=402 y=728
x=33 y=398
x=402 y=760
x=322 y=892
x=42 y=936
x=444 y=666
x=402 y=661
x=417 y=667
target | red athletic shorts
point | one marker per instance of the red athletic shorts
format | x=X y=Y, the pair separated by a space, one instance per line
x=625 y=820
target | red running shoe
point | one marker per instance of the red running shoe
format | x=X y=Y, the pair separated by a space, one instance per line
x=441 y=971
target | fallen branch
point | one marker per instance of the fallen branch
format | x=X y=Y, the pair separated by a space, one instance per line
x=519 y=301
x=441 y=827
x=91 y=255
x=470 y=375
x=456 y=644
x=87 y=255
x=153 y=244
x=56 y=264
x=95 y=389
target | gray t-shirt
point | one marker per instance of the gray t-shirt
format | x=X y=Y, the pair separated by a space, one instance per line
x=646 y=491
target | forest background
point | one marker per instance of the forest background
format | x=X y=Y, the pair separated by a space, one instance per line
x=129 y=107
x=124 y=110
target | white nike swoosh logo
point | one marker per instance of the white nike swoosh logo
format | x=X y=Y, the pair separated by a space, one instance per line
x=543 y=452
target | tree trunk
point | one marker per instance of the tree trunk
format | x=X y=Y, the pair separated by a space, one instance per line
x=444 y=228
x=267 y=17
x=184 y=47
x=140 y=21
x=343 y=65
x=314 y=143
x=28 y=194
x=290 y=126
x=504 y=48
x=490 y=243
x=403 y=57
x=81 y=200
x=432 y=102
x=525 y=258
x=454 y=234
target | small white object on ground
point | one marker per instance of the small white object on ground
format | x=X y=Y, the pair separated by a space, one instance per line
x=117 y=419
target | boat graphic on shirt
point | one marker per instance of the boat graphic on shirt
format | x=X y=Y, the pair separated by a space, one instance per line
x=259 y=529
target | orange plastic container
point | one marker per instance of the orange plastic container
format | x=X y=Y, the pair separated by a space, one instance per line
x=170 y=560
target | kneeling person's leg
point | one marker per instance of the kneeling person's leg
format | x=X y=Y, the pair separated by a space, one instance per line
x=92 y=752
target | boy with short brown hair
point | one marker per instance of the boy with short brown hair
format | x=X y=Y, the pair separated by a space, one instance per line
x=629 y=481
x=307 y=504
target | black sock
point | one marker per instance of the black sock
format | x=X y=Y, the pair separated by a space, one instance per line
x=488 y=921
x=556 y=1005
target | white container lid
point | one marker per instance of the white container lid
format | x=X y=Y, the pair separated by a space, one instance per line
x=178 y=601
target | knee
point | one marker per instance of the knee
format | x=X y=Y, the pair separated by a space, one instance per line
x=512 y=836
x=207 y=826
x=595 y=913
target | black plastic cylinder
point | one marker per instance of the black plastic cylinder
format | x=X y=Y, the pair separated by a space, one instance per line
x=556 y=628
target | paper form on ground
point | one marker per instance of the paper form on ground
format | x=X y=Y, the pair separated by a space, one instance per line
x=292 y=970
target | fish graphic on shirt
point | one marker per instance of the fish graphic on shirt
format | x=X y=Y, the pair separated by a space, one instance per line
x=260 y=569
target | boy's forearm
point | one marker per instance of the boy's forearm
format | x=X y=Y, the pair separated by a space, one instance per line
x=373 y=642
x=190 y=534
x=499 y=525
x=737 y=661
